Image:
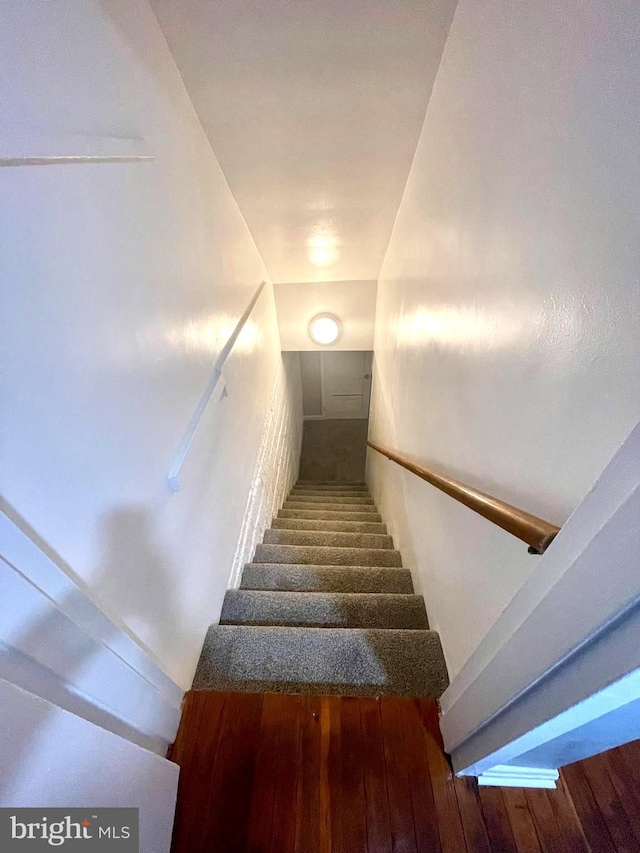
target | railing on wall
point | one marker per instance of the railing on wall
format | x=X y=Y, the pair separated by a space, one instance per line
x=537 y=533
x=194 y=423
x=58 y=150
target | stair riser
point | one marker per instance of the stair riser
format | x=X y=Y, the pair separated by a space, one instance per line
x=318 y=499
x=342 y=661
x=335 y=526
x=328 y=515
x=328 y=494
x=299 y=578
x=327 y=490
x=324 y=610
x=323 y=556
x=330 y=539
x=330 y=484
x=330 y=507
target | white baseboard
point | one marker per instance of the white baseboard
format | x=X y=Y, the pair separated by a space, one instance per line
x=506 y=776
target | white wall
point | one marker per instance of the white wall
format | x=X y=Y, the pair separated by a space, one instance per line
x=507 y=350
x=353 y=302
x=120 y=284
x=557 y=677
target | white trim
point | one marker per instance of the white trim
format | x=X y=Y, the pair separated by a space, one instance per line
x=51 y=757
x=559 y=640
x=603 y=720
x=277 y=463
x=323 y=385
x=519 y=777
x=52 y=150
x=57 y=642
x=47 y=572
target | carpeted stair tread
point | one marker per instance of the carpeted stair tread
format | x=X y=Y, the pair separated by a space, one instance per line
x=330 y=507
x=330 y=538
x=360 y=487
x=325 y=556
x=308 y=578
x=320 y=499
x=323 y=609
x=344 y=661
x=327 y=490
x=336 y=526
x=303 y=511
x=332 y=484
x=326 y=493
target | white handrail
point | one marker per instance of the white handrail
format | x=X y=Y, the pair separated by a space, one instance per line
x=194 y=423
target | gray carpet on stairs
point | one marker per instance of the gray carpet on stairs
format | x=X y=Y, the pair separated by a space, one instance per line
x=346 y=661
x=329 y=506
x=300 y=511
x=328 y=538
x=317 y=498
x=331 y=484
x=325 y=607
x=331 y=493
x=287 y=576
x=322 y=524
x=326 y=556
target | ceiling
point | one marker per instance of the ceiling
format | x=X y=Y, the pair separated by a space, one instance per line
x=313 y=108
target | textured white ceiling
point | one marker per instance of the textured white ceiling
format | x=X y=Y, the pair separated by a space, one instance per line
x=313 y=108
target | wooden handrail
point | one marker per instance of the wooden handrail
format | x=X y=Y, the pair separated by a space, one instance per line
x=537 y=533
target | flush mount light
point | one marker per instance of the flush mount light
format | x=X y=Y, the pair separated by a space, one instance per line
x=324 y=329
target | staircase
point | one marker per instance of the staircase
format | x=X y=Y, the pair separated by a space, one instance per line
x=325 y=607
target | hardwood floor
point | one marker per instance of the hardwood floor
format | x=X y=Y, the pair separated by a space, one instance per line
x=270 y=773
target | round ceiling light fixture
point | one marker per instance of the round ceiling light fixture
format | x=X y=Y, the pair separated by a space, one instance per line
x=324 y=329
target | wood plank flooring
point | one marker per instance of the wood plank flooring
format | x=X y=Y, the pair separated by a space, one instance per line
x=267 y=773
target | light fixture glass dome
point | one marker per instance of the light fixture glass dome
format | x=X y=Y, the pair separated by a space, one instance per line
x=324 y=329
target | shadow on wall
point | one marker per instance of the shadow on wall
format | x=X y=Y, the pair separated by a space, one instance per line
x=334 y=450
x=134 y=579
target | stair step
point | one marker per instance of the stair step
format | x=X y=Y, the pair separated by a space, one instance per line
x=322 y=555
x=333 y=493
x=308 y=578
x=301 y=511
x=329 y=506
x=319 y=499
x=328 y=538
x=323 y=490
x=319 y=524
x=323 y=609
x=343 y=661
x=332 y=484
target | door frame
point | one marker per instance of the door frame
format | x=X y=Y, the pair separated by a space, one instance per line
x=366 y=396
